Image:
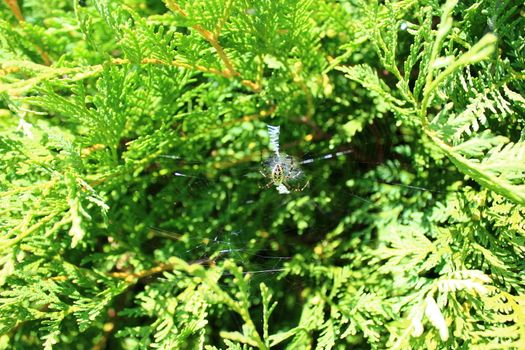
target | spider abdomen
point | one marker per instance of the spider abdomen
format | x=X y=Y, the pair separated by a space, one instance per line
x=278 y=176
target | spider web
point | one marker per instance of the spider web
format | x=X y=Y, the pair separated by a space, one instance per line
x=215 y=209
x=230 y=212
x=207 y=225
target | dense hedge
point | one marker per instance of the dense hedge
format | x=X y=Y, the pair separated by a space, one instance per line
x=139 y=208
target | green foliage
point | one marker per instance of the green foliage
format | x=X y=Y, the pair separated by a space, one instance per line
x=134 y=214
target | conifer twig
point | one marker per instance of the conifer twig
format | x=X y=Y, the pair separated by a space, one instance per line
x=230 y=71
x=206 y=34
x=79 y=73
x=248 y=83
x=7 y=243
x=223 y=20
x=42 y=185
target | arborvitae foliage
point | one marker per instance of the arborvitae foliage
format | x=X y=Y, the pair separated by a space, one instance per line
x=133 y=132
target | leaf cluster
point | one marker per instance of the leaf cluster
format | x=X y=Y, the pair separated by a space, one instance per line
x=134 y=214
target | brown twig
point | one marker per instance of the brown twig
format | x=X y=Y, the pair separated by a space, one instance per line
x=230 y=71
x=176 y=64
x=13 y=5
x=133 y=276
x=224 y=73
x=206 y=34
x=43 y=55
x=49 y=73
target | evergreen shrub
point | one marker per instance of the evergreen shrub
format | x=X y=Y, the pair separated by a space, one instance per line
x=138 y=210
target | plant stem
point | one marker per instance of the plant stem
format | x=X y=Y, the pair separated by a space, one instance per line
x=214 y=42
x=13 y=5
x=84 y=72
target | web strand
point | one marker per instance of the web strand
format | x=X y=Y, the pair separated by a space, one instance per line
x=273 y=134
x=326 y=156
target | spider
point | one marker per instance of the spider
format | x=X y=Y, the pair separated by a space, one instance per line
x=283 y=170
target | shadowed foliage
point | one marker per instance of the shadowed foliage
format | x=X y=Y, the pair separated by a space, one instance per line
x=142 y=202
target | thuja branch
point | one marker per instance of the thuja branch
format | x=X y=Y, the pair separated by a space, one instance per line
x=130 y=277
x=197 y=270
x=25 y=231
x=214 y=42
x=222 y=21
x=43 y=74
x=477 y=172
x=84 y=72
x=207 y=35
x=41 y=186
x=177 y=64
x=248 y=83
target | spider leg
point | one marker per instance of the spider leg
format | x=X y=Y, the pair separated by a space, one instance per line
x=300 y=189
x=269 y=184
x=295 y=176
x=305 y=185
